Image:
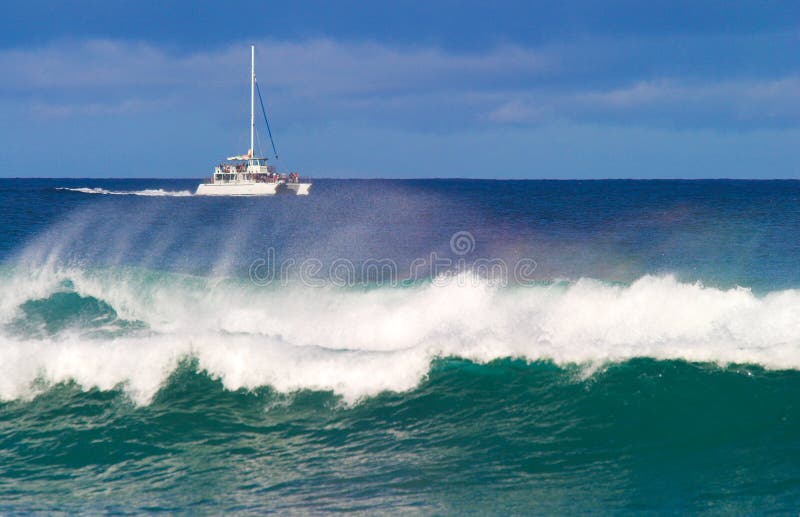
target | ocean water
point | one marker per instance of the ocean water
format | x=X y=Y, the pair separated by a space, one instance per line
x=425 y=346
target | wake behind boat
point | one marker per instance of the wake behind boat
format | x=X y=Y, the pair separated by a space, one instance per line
x=247 y=174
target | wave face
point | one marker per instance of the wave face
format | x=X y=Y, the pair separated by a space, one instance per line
x=650 y=363
x=427 y=399
x=641 y=435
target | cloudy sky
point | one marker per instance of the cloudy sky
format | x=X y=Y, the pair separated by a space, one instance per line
x=480 y=89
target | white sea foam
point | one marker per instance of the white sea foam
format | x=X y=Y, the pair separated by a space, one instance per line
x=146 y=192
x=359 y=343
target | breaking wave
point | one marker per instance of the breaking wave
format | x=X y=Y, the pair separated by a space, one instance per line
x=132 y=327
x=145 y=192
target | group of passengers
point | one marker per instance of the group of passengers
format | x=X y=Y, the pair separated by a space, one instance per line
x=270 y=177
x=230 y=169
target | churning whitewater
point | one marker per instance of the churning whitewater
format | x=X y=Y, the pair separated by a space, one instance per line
x=129 y=327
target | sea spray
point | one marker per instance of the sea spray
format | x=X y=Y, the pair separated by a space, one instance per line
x=649 y=366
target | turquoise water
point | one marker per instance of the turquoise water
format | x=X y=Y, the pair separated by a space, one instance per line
x=648 y=361
x=508 y=436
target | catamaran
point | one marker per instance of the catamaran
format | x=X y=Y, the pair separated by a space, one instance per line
x=247 y=174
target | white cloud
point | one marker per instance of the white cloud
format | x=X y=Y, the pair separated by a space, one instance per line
x=312 y=67
x=323 y=79
x=123 y=107
x=668 y=101
x=516 y=111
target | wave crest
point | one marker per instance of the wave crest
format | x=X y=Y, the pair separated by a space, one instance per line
x=358 y=343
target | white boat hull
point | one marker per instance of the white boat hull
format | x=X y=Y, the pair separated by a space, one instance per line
x=300 y=189
x=237 y=189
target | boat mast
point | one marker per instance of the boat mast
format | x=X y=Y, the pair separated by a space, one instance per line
x=252 y=96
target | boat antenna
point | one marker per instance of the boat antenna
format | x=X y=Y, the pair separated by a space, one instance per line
x=266 y=121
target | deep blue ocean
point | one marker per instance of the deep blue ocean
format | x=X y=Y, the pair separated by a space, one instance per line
x=400 y=346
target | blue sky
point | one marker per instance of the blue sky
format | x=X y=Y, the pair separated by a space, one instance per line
x=480 y=89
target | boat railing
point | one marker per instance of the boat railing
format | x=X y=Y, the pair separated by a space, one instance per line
x=225 y=174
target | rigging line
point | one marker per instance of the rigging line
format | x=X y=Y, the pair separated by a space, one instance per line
x=264 y=112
